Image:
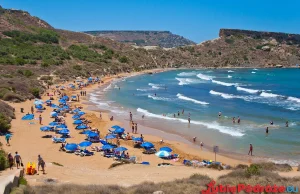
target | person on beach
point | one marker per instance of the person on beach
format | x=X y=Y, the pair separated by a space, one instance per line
x=142 y=137
x=178 y=113
x=32 y=110
x=154 y=94
x=250 y=149
x=7 y=138
x=100 y=115
x=143 y=116
x=80 y=93
x=135 y=128
x=40 y=119
x=239 y=120
x=10 y=161
x=132 y=127
x=201 y=145
x=18 y=160
x=287 y=124
x=271 y=122
x=78 y=98
x=189 y=120
x=194 y=139
x=220 y=114
x=233 y=119
x=174 y=115
x=182 y=111
x=267 y=130
x=130 y=115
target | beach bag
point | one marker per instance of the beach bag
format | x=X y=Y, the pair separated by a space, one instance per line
x=22 y=164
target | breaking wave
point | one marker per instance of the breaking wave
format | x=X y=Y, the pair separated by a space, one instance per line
x=230 y=71
x=205 y=77
x=214 y=125
x=186 y=81
x=187 y=74
x=224 y=83
x=182 y=97
x=251 y=91
x=158 y=98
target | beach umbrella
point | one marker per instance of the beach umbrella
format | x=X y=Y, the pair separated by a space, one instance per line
x=7 y=136
x=90 y=79
x=37 y=102
x=103 y=142
x=121 y=149
x=53 y=114
x=76 y=122
x=163 y=154
x=147 y=145
x=28 y=117
x=61 y=101
x=107 y=147
x=71 y=146
x=110 y=136
x=48 y=101
x=85 y=144
x=93 y=134
x=64 y=131
x=81 y=127
x=86 y=132
x=75 y=117
x=62 y=126
x=81 y=113
x=119 y=130
x=115 y=127
x=65 y=98
x=53 y=123
x=166 y=149
x=45 y=128
x=74 y=96
x=39 y=106
x=54 y=106
x=76 y=110
x=137 y=139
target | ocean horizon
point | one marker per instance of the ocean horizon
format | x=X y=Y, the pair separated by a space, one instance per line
x=256 y=96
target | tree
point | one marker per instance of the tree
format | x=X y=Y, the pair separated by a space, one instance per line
x=35 y=92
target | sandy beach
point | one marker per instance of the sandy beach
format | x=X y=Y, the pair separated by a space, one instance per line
x=28 y=140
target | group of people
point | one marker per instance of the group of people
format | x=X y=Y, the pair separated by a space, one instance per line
x=82 y=93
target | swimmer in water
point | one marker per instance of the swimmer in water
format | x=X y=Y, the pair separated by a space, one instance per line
x=189 y=120
x=174 y=115
x=239 y=120
x=178 y=113
x=233 y=119
x=182 y=111
x=287 y=124
x=194 y=139
x=220 y=114
x=267 y=130
x=271 y=123
x=155 y=94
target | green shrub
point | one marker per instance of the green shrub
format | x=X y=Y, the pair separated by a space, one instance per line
x=123 y=59
x=253 y=169
x=77 y=67
x=3 y=160
x=28 y=73
x=3 y=91
x=22 y=181
x=20 y=61
x=35 y=92
x=259 y=46
x=4 y=123
x=11 y=96
x=229 y=40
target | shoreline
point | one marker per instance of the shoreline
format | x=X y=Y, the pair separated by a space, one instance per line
x=27 y=140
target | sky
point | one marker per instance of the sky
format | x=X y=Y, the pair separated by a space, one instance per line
x=197 y=20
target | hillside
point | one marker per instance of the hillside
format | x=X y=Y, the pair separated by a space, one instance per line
x=145 y=38
x=31 y=50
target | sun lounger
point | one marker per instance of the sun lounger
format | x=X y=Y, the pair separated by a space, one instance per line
x=86 y=153
x=58 y=140
x=150 y=151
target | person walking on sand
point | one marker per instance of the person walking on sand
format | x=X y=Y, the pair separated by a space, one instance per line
x=78 y=98
x=194 y=139
x=132 y=127
x=201 y=145
x=40 y=119
x=135 y=127
x=130 y=116
x=100 y=115
x=7 y=138
x=250 y=149
x=10 y=161
x=189 y=120
x=18 y=160
x=32 y=110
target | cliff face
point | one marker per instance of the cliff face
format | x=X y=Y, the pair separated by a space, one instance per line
x=278 y=36
x=145 y=38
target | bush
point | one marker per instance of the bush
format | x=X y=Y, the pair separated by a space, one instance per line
x=259 y=46
x=3 y=160
x=77 y=67
x=4 y=123
x=216 y=166
x=253 y=169
x=229 y=40
x=46 y=78
x=11 y=96
x=27 y=73
x=22 y=181
x=35 y=92
x=123 y=59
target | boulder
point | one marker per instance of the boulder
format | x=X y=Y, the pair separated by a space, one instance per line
x=266 y=48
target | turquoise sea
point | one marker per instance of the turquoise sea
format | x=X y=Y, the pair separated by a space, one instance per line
x=257 y=96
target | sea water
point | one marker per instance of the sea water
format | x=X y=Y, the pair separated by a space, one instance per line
x=257 y=96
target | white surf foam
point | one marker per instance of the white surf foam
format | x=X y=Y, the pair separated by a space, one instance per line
x=255 y=69
x=182 y=97
x=154 y=86
x=143 y=90
x=269 y=95
x=214 y=125
x=158 y=98
x=294 y=99
x=187 y=81
x=224 y=83
x=230 y=71
x=205 y=77
x=229 y=76
x=253 y=72
x=251 y=91
x=107 y=88
x=187 y=74
x=227 y=96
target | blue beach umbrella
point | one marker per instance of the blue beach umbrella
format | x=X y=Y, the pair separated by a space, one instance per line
x=64 y=131
x=76 y=122
x=166 y=149
x=81 y=113
x=110 y=136
x=119 y=130
x=75 y=117
x=28 y=117
x=147 y=145
x=87 y=132
x=54 y=106
x=76 y=110
x=121 y=149
x=39 y=106
x=48 y=101
x=107 y=147
x=62 y=126
x=65 y=98
x=85 y=144
x=81 y=127
x=163 y=154
x=45 y=128
x=53 y=114
x=137 y=139
x=92 y=134
x=53 y=123
x=37 y=102
x=61 y=101
x=115 y=127
x=90 y=79
x=71 y=146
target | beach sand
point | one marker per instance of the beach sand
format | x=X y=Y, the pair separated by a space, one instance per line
x=27 y=140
